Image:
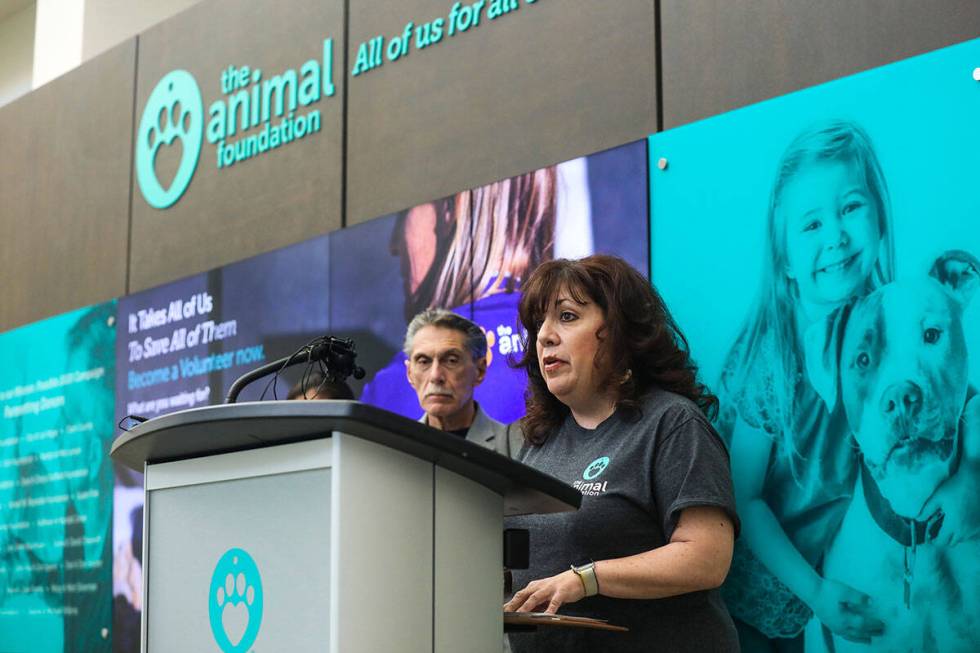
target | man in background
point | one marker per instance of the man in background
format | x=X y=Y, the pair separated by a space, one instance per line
x=447 y=359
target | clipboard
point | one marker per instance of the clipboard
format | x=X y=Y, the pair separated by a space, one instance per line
x=530 y=620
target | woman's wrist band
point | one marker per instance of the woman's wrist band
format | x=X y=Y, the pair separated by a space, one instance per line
x=586 y=574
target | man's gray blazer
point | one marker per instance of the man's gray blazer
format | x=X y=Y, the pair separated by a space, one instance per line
x=488 y=432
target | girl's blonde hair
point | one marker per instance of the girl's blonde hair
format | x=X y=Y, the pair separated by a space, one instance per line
x=488 y=236
x=771 y=325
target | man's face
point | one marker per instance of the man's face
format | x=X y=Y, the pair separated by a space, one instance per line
x=443 y=372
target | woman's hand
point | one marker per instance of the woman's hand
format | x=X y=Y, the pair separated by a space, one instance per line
x=551 y=592
x=847 y=612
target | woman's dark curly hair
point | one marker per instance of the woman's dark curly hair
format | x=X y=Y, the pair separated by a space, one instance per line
x=640 y=344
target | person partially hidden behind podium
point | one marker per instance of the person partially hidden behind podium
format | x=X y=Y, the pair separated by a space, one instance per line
x=447 y=359
x=615 y=409
x=317 y=386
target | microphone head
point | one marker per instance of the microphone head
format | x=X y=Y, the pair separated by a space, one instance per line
x=338 y=356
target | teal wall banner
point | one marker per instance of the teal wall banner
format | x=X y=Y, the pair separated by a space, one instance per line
x=820 y=251
x=56 y=425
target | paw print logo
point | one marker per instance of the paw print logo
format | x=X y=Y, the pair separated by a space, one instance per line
x=173 y=117
x=595 y=468
x=491 y=341
x=235 y=601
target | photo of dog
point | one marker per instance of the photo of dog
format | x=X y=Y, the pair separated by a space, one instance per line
x=896 y=361
x=796 y=242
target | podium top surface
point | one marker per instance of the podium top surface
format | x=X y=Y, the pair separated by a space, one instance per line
x=213 y=430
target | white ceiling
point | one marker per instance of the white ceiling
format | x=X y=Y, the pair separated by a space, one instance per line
x=10 y=7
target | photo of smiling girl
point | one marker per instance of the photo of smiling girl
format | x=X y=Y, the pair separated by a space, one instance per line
x=828 y=239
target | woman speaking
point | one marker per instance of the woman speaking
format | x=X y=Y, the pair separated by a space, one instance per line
x=614 y=408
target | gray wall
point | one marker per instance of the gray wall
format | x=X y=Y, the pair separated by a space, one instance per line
x=16 y=52
x=281 y=197
x=553 y=81
x=64 y=190
x=560 y=78
x=110 y=22
x=719 y=55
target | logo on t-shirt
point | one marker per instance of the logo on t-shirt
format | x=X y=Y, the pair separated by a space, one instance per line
x=595 y=468
x=589 y=486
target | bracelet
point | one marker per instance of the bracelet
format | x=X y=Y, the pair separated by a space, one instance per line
x=586 y=574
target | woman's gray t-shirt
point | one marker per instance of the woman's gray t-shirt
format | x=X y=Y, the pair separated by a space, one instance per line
x=635 y=475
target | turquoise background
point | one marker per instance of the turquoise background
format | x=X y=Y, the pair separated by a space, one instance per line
x=709 y=210
x=708 y=207
x=234 y=563
x=76 y=341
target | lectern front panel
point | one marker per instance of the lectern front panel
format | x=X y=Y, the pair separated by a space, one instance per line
x=244 y=563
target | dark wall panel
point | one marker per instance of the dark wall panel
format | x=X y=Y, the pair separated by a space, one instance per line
x=281 y=196
x=719 y=55
x=64 y=190
x=554 y=80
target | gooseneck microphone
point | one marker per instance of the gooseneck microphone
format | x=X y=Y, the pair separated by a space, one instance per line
x=335 y=356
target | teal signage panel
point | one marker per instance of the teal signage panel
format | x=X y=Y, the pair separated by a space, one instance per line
x=819 y=250
x=56 y=425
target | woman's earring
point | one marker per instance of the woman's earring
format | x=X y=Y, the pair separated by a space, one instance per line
x=627 y=376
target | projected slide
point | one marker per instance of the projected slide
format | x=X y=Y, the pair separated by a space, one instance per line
x=820 y=251
x=470 y=251
x=56 y=426
x=182 y=344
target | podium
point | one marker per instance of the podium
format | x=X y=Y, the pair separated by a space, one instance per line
x=323 y=526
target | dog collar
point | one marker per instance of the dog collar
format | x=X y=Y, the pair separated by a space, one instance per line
x=905 y=531
x=910 y=533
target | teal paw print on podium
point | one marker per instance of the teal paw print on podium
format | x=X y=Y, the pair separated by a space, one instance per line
x=174 y=112
x=235 y=601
